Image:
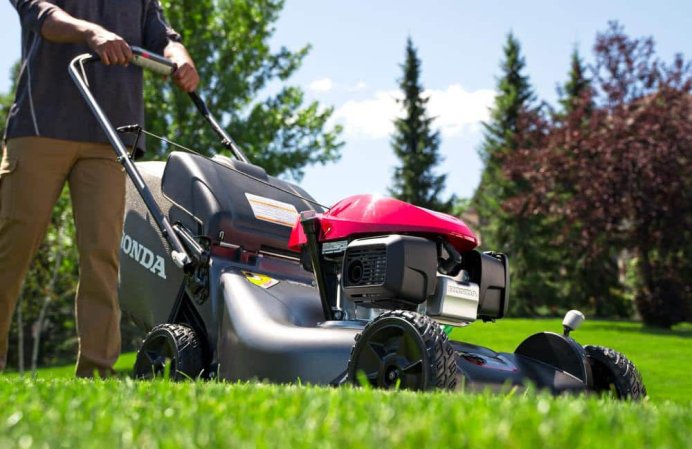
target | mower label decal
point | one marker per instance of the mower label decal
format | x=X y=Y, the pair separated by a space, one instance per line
x=260 y=280
x=267 y=209
x=143 y=256
x=334 y=247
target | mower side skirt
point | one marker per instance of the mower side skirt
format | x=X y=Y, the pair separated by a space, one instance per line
x=258 y=338
x=480 y=368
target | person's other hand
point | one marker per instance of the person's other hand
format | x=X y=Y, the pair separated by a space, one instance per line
x=111 y=48
x=185 y=75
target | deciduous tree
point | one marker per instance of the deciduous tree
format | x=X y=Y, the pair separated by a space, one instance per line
x=588 y=279
x=629 y=168
x=244 y=84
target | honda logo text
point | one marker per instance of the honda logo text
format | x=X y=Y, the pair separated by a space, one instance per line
x=143 y=255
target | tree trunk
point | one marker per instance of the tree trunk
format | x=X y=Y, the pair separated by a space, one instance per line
x=36 y=333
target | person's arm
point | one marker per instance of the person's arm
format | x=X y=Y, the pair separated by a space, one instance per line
x=62 y=27
x=160 y=38
x=56 y=25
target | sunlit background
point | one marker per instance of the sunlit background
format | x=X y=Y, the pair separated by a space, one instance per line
x=358 y=46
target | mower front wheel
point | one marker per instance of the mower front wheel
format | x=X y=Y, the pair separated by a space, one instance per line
x=615 y=374
x=170 y=350
x=403 y=349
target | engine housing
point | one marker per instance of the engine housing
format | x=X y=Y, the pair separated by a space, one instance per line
x=391 y=271
x=398 y=271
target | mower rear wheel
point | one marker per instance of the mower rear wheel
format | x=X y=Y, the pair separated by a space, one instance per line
x=170 y=350
x=615 y=374
x=403 y=349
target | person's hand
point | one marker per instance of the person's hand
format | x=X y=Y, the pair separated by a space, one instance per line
x=111 y=48
x=185 y=75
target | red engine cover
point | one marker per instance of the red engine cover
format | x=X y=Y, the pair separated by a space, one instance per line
x=376 y=215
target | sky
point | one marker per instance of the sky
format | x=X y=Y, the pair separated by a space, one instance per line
x=357 y=48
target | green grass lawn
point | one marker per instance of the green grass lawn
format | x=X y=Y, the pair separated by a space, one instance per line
x=70 y=413
x=123 y=367
x=55 y=411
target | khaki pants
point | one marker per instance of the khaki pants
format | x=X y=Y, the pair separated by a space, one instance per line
x=32 y=174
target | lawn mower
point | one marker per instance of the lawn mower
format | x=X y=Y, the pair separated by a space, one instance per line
x=238 y=275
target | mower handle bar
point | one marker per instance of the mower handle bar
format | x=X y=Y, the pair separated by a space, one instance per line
x=163 y=66
x=156 y=63
x=159 y=64
x=178 y=252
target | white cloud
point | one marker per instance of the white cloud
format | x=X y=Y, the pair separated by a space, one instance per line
x=456 y=111
x=328 y=85
x=321 y=85
x=370 y=118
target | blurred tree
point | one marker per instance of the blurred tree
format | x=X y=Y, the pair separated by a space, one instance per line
x=629 y=165
x=588 y=279
x=416 y=144
x=6 y=99
x=500 y=138
x=229 y=41
x=5 y=104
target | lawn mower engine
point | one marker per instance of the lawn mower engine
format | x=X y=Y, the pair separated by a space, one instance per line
x=416 y=273
x=375 y=254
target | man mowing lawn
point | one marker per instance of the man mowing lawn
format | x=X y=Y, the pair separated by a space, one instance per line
x=52 y=138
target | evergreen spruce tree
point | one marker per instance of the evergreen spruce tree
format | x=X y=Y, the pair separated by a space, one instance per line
x=524 y=237
x=577 y=90
x=416 y=144
x=514 y=95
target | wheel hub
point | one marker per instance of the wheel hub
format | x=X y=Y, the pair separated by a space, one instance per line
x=393 y=359
x=391 y=375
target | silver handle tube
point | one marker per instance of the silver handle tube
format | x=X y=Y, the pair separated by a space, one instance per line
x=152 y=61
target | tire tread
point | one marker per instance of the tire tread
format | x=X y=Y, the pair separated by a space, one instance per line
x=189 y=361
x=628 y=381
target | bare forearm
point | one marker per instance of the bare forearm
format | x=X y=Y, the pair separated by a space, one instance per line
x=62 y=27
x=176 y=52
x=185 y=76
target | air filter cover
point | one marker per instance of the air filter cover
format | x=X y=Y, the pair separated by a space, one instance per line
x=390 y=270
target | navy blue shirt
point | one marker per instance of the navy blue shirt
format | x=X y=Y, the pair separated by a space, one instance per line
x=48 y=104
